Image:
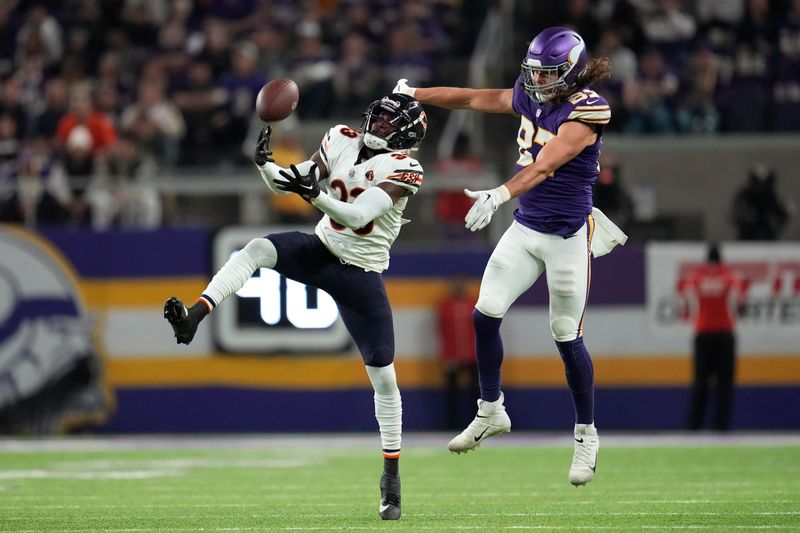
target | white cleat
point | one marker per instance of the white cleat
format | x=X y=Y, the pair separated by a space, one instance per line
x=491 y=420
x=584 y=460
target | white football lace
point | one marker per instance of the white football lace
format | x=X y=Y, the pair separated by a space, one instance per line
x=583 y=454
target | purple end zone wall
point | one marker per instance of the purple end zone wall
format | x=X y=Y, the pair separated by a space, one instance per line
x=253 y=410
x=617 y=280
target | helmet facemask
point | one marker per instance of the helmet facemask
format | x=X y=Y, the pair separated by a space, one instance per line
x=542 y=92
x=388 y=124
x=380 y=127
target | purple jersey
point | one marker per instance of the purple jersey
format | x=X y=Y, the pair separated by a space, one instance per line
x=561 y=203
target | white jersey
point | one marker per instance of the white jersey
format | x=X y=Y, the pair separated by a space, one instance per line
x=366 y=247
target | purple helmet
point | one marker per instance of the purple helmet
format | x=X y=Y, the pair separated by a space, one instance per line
x=560 y=51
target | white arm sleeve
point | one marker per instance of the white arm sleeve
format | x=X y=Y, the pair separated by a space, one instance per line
x=270 y=171
x=369 y=205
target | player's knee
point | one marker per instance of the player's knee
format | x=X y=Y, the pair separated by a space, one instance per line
x=563 y=328
x=491 y=306
x=383 y=378
x=262 y=252
x=378 y=357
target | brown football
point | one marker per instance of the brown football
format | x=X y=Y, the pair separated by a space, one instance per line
x=277 y=99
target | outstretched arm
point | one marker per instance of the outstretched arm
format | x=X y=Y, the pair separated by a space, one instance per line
x=270 y=171
x=487 y=100
x=369 y=205
x=571 y=139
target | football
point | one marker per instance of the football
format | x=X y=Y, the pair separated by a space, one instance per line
x=277 y=99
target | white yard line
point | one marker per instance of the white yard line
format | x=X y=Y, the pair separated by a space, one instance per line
x=410 y=441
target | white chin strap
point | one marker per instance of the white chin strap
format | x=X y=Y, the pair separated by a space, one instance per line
x=374 y=142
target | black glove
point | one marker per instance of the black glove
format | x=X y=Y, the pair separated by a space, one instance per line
x=263 y=155
x=306 y=185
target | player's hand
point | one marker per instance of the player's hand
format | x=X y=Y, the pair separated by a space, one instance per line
x=403 y=88
x=306 y=185
x=486 y=203
x=263 y=155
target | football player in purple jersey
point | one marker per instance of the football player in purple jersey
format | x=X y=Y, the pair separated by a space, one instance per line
x=561 y=122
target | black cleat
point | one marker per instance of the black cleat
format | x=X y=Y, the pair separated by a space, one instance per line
x=183 y=323
x=390 y=497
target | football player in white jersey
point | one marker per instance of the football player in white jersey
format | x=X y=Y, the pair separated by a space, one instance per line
x=369 y=175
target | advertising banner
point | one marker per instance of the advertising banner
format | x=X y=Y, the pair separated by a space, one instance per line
x=769 y=320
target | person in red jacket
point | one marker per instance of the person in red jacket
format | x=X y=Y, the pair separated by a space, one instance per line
x=714 y=292
x=457 y=349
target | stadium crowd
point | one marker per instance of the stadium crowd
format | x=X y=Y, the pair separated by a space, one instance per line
x=700 y=66
x=98 y=96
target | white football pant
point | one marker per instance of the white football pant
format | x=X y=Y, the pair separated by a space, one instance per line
x=520 y=258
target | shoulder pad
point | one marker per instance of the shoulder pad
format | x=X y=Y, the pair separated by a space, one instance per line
x=588 y=106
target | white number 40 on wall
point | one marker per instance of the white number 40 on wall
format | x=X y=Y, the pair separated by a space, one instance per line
x=305 y=325
x=267 y=288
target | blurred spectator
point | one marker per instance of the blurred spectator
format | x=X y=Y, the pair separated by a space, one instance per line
x=90 y=29
x=457 y=351
x=670 y=29
x=200 y=102
x=172 y=55
x=759 y=213
x=85 y=135
x=8 y=32
x=123 y=193
x=216 y=46
x=11 y=104
x=241 y=86
x=140 y=21
x=649 y=98
x=9 y=149
x=82 y=113
x=79 y=164
x=609 y=194
x=625 y=66
x=452 y=205
x=786 y=88
x=312 y=67
x=405 y=59
x=430 y=36
x=290 y=208
x=622 y=58
x=51 y=109
x=750 y=83
x=30 y=76
x=712 y=287
x=356 y=81
x=272 y=43
x=581 y=18
x=107 y=103
x=111 y=73
x=41 y=194
x=697 y=112
x=40 y=34
x=359 y=19
x=154 y=122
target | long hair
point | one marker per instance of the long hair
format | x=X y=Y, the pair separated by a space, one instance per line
x=597 y=69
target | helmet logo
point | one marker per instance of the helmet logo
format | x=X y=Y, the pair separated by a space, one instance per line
x=575 y=53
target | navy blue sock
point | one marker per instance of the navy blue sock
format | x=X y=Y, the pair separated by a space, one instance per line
x=489 y=351
x=580 y=378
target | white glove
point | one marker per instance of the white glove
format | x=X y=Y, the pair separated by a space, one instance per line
x=486 y=203
x=403 y=88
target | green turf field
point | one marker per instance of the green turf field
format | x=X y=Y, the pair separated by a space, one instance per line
x=305 y=488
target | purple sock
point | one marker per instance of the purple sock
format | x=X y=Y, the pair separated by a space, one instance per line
x=489 y=350
x=580 y=378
